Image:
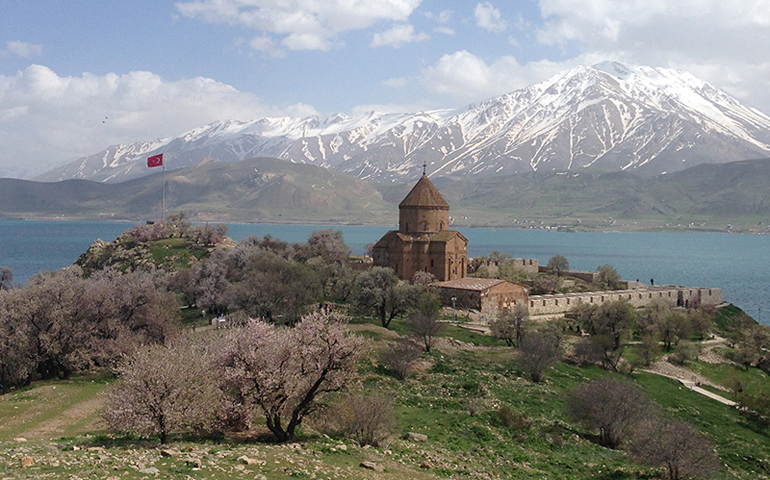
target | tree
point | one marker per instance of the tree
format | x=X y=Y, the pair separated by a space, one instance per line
x=545 y=285
x=558 y=265
x=507 y=270
x=164 y=389
x=539 y=351
x=378 y=291
x=510 y=325
x=6 y=278
x=672 y=327
x=425 y=327
x=675 y=445
x=284 y=373
x=328 y=245
x=613 y=319
x=607 y=278
x=610 y=407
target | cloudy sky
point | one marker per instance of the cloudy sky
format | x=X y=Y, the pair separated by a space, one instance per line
x=76 y=77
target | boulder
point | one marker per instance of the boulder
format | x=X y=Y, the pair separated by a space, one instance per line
x=372 y=466
x=417 y=437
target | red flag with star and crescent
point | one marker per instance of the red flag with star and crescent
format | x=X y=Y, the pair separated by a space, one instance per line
x=155 y=161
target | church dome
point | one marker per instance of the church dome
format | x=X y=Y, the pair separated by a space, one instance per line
x=424 y=194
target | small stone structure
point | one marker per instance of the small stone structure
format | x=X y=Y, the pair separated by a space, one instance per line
x=486 y=295
x=638 y=297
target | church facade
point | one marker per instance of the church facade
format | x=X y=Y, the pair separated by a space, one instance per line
x=423 y=241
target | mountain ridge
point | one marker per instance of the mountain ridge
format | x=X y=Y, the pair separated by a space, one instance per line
x=706 y=197
x=608 y=116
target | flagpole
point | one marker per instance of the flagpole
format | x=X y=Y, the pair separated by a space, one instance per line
x=163 y=216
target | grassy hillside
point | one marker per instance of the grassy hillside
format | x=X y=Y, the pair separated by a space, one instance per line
x=454 y=399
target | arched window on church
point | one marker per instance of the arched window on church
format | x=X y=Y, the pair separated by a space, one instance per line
x=406 y=227
x=441 y=226
x=424 y=226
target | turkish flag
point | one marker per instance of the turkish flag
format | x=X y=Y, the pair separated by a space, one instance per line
x=155 y=161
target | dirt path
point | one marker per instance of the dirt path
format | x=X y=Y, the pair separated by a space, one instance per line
x=693 y=380
x=81 y=413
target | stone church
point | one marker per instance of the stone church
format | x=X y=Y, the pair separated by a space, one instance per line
x=423 y=240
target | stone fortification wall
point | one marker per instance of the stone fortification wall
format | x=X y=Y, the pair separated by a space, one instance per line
x=639 y=297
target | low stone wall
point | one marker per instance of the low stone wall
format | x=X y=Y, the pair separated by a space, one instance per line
x=639 y=297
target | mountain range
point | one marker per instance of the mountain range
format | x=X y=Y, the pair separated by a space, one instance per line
x=605 y=117
x=703 y=197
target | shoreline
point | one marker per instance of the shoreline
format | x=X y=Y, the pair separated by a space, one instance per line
x=738 y=230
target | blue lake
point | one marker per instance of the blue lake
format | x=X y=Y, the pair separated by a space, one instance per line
x=738 y=264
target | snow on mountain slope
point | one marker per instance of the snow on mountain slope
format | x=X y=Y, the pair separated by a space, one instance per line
x=607 y=116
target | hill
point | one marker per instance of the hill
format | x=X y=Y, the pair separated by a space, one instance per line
x=706 y=197
x=254 y=190
x=454 y=398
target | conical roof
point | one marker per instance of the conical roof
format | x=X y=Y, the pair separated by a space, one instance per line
x=424 y=194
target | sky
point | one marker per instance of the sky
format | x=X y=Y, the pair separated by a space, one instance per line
x=77 y=77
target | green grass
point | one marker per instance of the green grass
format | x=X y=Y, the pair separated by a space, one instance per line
x=175 y=252
x=754 y=380
x=454 y=399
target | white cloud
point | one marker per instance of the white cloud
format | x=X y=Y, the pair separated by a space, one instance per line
x=444 y=30
x=395 y=82
x=398 y=36
x=46 y=119
x=301 y=24
x=442 y=17
x=724 y=43
x=489 y=17
x=468 y=78
x=21 y=49
x=266 y=45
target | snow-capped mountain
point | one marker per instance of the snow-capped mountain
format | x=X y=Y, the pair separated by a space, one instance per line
x=605 y=116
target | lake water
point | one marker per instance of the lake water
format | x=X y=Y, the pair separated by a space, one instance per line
x=738 y=264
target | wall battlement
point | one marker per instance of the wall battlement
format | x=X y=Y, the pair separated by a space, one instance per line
x=639 y=297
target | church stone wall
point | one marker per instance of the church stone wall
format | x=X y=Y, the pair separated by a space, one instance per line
x=672 y=295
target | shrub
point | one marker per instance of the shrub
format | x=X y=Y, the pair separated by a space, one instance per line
x=400 y=356
x=367 y=419
x=540 y=351
x=675 y=445
x=425 y=328
x=613 y=408
x=513 y=420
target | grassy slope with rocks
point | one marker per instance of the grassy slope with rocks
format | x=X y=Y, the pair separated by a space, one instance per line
x=538 y=442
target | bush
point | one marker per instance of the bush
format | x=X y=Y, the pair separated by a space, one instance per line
x=675 y=445
x=400 y=356
x=684 y=353
x=367 y=419
x=513 y=420
x=613 y=408
x=540 y=351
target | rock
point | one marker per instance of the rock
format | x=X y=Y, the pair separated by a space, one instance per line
x=342 y=447
x=20 y=440
x=95 y=449
x=372 y=466
x=248 y=461
x=27 y=462
x=417 y=437
x=150 y=471
x=167 y=452
x=425 y=465
x=194 y=463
